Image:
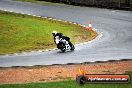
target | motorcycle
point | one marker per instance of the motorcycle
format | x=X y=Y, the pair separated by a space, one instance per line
x=64 y=45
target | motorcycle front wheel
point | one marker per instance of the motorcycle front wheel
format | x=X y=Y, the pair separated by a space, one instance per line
x=62 y=47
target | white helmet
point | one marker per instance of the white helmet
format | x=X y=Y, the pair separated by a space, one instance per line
x=54 y=32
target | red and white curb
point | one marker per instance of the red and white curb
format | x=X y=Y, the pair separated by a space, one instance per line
x=100 y=34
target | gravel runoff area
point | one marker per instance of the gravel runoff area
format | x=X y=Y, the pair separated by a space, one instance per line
x=60 y=72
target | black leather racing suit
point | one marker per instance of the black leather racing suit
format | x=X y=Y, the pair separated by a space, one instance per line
x=63 y=37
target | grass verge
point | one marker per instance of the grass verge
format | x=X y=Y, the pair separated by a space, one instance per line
x=20 y=33
x=67 y=84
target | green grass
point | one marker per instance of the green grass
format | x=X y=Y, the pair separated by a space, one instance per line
x=67 y=84
x=25 y=33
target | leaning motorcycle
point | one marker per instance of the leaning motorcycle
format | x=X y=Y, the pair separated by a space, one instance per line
x=64 y=45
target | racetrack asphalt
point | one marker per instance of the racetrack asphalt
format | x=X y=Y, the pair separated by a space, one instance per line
x=115 y=27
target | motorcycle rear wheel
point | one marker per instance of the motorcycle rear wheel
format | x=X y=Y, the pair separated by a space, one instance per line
x=72 y=47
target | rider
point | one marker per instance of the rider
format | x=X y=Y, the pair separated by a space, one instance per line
x=60 y=35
